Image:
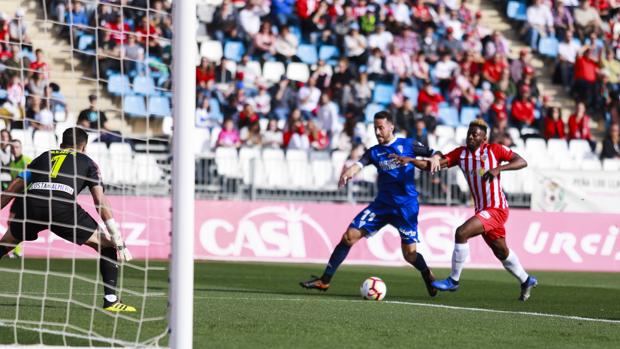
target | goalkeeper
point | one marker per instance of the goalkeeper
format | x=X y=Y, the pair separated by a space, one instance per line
x=52 y=181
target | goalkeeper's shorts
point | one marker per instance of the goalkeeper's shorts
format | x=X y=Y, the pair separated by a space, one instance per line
x=69 y=221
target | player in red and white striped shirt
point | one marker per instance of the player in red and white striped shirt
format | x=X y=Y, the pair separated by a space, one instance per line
x=481 y=164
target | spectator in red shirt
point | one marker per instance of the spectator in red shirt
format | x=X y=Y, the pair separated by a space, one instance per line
x=493 y=68
x=579 y=124
x=205 y=73
x=498 y=112
x=553 y=126
x=39 y=65
x=523 y=109
x=247 y=116
x=317 y=137
x=116 y=32
x=585 y=72
x=428 y=97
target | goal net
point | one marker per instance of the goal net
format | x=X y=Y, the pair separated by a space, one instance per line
x=105 y=66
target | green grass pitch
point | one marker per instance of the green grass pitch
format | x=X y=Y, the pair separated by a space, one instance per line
x=260 y=305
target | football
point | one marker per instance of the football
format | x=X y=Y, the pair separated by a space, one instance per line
x=373 y=288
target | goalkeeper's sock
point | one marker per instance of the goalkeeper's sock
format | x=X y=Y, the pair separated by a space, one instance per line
x=340 y=253
x=109 y=273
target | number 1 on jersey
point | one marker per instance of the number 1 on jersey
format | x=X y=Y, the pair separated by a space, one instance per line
x=57 y=161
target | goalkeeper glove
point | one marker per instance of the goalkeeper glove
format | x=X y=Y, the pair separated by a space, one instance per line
x=115 y=234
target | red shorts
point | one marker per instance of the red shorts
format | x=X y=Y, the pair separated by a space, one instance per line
x=493 y=220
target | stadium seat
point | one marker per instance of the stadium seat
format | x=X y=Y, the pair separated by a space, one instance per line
x=536 y=152
x=307 y=54
x=382 y=94
x=147 y=171
x=166 y=126
x=276 y=171
x=297 y=72
x=469 y=114
x=548 y=46
x=591 y=164
x=159 y=106
x=579 y=149
x=527 y=177
x=255 y=73
x=234 y=50
x=144 y=85
x=299 y=170
x=227 y=162
x=212 y=50
x=412 y=93
x=248 y=161
x=557 y=147
x=322 y=170
x=516 y=10
x=273 y=71
x=339 y=157
x=611 y=165
x=512 y=182
x=44 y=141
x=119 y=85
x=86 y=44
x=134 y=106
x=460 y=135
x=328 y=52
x=449 y=116
x=371 y=110
x=201 y=140
x=101 y=156
x=122 y=155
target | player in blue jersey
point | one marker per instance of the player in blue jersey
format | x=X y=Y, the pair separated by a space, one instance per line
x=396 y=203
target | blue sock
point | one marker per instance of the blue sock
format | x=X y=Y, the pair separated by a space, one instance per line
x=420 y=263
x=340 y=253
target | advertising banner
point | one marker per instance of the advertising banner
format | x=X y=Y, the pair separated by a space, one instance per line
x=576 y=191
x=308 y=232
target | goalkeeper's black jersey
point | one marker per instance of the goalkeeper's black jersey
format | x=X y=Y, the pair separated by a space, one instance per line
x=60 y=175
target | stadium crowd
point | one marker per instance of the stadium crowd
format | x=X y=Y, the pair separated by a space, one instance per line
x=428 y=62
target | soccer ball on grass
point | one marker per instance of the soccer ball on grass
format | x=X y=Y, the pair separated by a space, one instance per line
x=373 y=288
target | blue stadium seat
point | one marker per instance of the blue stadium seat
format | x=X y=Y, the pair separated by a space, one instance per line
x=383 y=94
x=469 y=114
x=85 y=44
x=548 y=46
x=412 y=92
x=134 y=106
x=449 y=116
x=144 y=85
x=328 y=52
x=159 y=106
x=371 y=110
x=119 y=85
x=215 y=111
x=234 y=50
x=516 y=10
x=307 y=54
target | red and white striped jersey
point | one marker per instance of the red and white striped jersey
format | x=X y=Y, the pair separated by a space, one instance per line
x=487 y=194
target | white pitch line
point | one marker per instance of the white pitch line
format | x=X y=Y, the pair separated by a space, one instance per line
x=527 y=313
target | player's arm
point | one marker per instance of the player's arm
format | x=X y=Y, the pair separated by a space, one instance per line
x=423 y=164
x=105 y=211
x=354 y=169
x=15 y=189
x=349 y=173
x=516 y=162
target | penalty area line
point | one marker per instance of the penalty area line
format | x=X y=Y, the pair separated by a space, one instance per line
x=428 y=305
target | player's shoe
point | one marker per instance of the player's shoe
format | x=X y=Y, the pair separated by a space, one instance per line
x=315 y=283
x=118 y=307
x=429 y=277
x=448 y=284
x=526 y=288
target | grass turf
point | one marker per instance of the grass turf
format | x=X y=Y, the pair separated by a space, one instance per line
x=261 y=305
